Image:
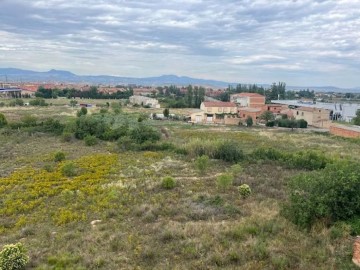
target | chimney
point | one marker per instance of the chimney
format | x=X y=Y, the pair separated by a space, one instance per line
x=356 y=254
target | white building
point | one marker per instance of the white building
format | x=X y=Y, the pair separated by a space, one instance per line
x=144 y=101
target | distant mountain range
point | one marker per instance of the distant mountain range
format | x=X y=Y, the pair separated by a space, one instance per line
x=57 y=76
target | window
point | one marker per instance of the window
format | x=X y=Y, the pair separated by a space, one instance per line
x=297 y=112
x=302 y=114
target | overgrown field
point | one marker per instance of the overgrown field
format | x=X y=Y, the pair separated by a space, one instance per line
x=134 y=193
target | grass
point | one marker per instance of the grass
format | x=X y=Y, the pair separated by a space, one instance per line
x=144 y=226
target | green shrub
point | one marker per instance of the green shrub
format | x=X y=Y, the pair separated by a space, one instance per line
x=69 y=169
x=302 y=123
x=52 y=126
x=223 y=181
x=19 y=102
x=59 y=156
x=3 y=121
x=267 y=154
x=244 y=190
x=229 y=151
x=156 y=146
x=90 y=140
x=13 y=257
x=38 y=102
x=308 y=160
x=2 y=104
x=202 y=163
x=90 y=125
x=28 y=120
x=82 y=111
x=168 y=182
x=329 y=195
x=236 y=169
x=249 y=121
x=270 y=124
x=142 y=133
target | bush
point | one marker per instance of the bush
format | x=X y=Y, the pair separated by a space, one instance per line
x=329 y=195
x=236 y=169
x=90 y=140
x=52 y=126
x=3 y=121
x=59 y=156
x=90 y=125
x=142 y=133
x=38 y=102
x=28 y=120
x=168 y=182
x=302 y=123
x=249 y=121
x=223 y=181
x=69 y=169
x=308 y=160
x=270 y=124
x=202 y=163
x=82 y=111
x=13 y=257
x=267 y=154
x=19 y=102
x=244 y=190
x=229 y=151
x=150 y=146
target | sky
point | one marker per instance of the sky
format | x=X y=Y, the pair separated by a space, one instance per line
x=299 y=42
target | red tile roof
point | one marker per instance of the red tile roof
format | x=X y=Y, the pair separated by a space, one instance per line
x=219 y=104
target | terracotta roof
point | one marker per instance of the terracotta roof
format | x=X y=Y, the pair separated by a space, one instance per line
x=249 y=95
x=218 y=104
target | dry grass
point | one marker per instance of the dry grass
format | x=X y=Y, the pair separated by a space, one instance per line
x=193 y=226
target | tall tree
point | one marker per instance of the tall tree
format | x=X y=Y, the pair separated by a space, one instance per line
x=189 y=96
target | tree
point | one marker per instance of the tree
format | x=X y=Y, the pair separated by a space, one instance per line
x=189 y=96
x=166 y=112
x=249 y=121
x=267 y=116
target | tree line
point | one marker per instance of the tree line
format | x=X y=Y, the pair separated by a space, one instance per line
x=92 y=93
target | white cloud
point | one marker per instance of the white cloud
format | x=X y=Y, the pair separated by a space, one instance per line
x=303 y=41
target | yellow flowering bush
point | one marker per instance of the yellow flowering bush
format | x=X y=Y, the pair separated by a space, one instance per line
x=37 y=194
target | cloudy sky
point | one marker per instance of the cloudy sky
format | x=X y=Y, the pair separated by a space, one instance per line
x=300 y=42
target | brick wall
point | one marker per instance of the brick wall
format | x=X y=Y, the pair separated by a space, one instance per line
x=344 y=132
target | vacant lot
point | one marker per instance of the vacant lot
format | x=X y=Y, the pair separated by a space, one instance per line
x=106 y=207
